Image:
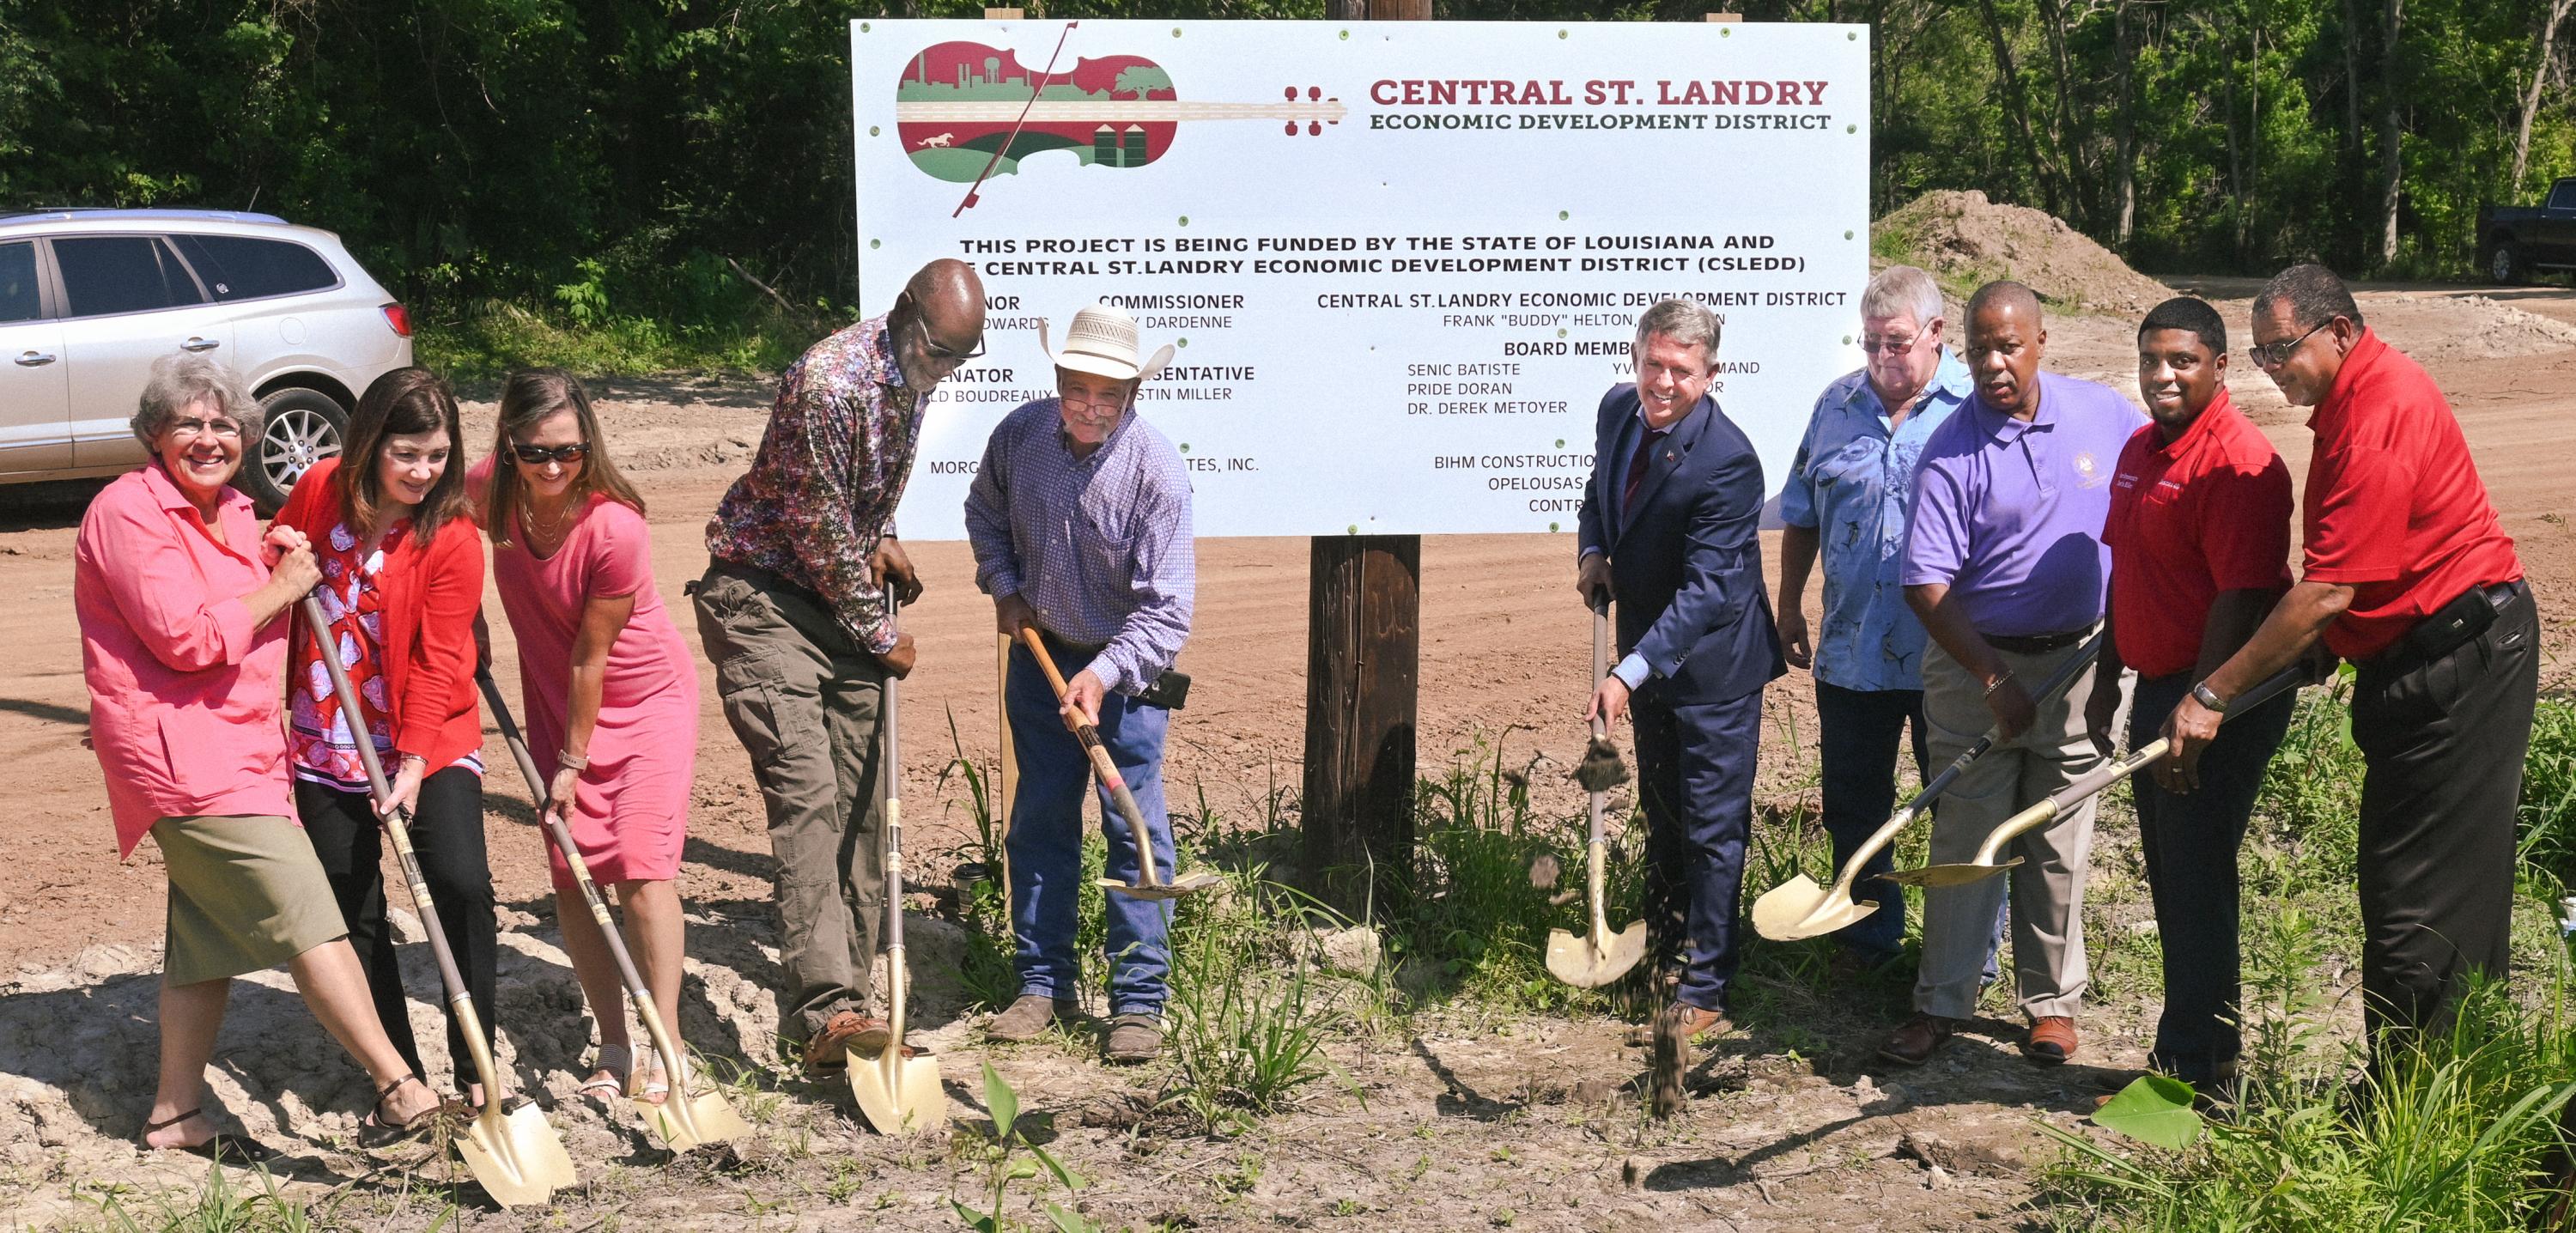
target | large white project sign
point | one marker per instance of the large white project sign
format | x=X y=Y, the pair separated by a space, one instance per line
x=1401 y=262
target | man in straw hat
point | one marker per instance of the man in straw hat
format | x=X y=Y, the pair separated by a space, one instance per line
x=1080 y=521
x=792 y=609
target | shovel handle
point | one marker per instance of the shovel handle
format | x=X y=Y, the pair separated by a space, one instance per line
x=1101 y=765
x=460 y=1002
x=2057 y=682
x=890 y=782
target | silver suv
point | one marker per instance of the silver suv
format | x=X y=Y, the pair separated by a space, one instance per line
x=90 y=298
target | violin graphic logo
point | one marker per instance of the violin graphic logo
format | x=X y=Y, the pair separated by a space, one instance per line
x=966 y=112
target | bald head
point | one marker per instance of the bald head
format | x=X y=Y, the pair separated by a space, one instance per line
x=938 y=321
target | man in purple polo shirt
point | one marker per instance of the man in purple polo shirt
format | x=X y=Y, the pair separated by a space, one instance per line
x=2005 y=564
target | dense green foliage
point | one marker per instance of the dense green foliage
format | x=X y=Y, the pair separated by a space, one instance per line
x=604 y=160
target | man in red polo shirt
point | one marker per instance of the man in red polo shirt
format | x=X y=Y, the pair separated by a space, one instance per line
x=2409 y=576
x=2199 y=532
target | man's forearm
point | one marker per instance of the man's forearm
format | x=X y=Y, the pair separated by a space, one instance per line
x=2233 y=618
x=1797 y=559
x=2294 y=625
x=1948 y=624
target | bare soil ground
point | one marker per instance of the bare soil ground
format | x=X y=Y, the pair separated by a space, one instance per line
x=1470 y=1120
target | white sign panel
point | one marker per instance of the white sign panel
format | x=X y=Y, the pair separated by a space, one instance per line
x=1402 y=261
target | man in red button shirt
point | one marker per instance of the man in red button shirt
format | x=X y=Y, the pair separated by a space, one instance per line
x=2409 y=576
x=2199 y=532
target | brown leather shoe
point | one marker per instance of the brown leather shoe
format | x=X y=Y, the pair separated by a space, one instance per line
x=829 y=1049
x=1133 y=1039
x=1693 y=1021
x=2052 y=1040
x=1913 y=1043
x=1027 y=1017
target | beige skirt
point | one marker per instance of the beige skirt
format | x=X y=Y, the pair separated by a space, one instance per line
x=246 y=894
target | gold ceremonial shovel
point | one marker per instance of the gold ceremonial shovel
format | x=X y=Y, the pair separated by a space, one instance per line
x=1148 y=884
x=515 y=1155
x=1798 y=908
x=897 y=1094
x=1600 y=957
x=684 y=1119
x=2073 y=794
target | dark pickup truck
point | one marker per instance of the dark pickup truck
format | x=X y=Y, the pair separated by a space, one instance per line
x=2517 y=240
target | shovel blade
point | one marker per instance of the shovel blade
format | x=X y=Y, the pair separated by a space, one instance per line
x=900 y=1098
x=1593 y=961
x=1188 y=884
x=1948 y=875
x=1798 y=908
x=516 y=1156
x=702 y=1118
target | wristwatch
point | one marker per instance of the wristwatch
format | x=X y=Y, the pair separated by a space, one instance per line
x=2209 y=697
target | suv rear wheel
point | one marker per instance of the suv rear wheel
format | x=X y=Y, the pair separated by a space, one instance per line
x=2504 y=266
x=302 y=427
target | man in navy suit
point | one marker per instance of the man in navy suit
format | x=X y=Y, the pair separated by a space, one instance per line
x=1668 y=529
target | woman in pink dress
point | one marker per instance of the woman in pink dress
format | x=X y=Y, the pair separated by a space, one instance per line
x=610 y=692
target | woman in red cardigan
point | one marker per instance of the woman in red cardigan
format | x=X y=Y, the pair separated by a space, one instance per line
x=402 y=580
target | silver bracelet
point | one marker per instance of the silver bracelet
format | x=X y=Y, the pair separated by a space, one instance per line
x=1998 y=682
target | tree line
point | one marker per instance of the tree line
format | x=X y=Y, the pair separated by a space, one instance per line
x=666 y=156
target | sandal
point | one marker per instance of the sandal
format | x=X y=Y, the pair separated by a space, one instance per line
x=655 y=1085
x=221 y=1147
x=617 y=1060
x=376 y=1134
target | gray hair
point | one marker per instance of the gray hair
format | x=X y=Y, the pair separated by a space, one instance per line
x=182 y=381
x=1902 y=289
x=2315 y=296
x=1687 y=322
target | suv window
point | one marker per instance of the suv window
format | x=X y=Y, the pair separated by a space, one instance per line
x=122 y=274
x=240 y=268
x=18 y=282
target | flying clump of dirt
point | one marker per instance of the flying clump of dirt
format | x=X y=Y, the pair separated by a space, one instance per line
x=1965 y=240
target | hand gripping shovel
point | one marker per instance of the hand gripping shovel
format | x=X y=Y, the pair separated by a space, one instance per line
x=1601 y=957
x=897 y=1094
x=1149 y=883
x=684 y=1119
x=2073 y=794
x=515 y=1155
x=1798 y=908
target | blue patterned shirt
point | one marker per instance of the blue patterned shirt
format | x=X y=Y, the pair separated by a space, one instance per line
x=1851 y=481
x=1100 y=546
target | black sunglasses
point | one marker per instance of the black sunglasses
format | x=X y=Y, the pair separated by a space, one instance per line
x=931 y=345
x=539 y=455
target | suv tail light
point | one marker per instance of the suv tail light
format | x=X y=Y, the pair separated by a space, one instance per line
x=398 y=317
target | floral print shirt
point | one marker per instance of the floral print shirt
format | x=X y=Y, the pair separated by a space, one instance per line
x=831 y=468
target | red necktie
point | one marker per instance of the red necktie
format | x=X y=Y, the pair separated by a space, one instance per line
x=1637 y=471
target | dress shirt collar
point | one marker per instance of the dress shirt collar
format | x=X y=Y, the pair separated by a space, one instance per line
x=2198 y=431
x=1949 y=380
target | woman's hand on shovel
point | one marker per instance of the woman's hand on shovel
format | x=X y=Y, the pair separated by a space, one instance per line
x=404 y=792
x=559 y=794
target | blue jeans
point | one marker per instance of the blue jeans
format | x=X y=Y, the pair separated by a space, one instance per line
x=1046 y=838
x=1857 y=743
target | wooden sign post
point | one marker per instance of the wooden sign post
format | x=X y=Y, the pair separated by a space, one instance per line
x=1363 y=659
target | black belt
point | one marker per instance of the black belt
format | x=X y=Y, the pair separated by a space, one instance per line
x=2447 y=628
x=2036 y=644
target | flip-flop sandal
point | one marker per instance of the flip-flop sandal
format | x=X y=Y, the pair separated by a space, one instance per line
x=222 y=1147
x=376 y=1134
x=617 y=1060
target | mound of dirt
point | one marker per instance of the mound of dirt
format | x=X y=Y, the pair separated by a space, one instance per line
x=2484 y=329
x=1965 y=240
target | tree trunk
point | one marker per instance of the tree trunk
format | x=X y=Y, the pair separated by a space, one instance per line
x=2253 y=189
x=2017 y=104
x=2531 y=97
x=2125 y=174
x=2392 y=163
x=2351 y=80
x=2068 y=136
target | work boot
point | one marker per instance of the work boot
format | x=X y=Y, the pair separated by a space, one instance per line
x=1693 y=1022
x=2052 y=1040
x=1027 y=1017
x=829 y=1049
x=1133 y=1039
x=1913 y=1043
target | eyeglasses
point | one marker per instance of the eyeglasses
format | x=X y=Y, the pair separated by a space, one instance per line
x=1114 y=403
x=931 y=346
x=2275 y=354
x=1892 y=346
x=539 y=455
x=228 y=430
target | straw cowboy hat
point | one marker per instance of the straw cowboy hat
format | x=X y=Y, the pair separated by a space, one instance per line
x=1102 y=342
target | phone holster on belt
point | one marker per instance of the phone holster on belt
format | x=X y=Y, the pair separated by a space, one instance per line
x=1169 y=691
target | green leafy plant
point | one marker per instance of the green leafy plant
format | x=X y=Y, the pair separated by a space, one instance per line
x=1249 y=1014
x=1014 y=1157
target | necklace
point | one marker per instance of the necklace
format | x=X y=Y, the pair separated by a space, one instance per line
x=553 y=532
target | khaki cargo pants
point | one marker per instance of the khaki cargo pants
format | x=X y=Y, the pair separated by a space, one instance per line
x=803 y=698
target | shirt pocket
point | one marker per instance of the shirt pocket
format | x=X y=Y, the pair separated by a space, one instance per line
x=1106 y=547
x=1851 y=469
x=210 y=757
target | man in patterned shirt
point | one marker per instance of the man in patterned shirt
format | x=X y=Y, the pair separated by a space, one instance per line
x=1080 y=521
x=793 y=611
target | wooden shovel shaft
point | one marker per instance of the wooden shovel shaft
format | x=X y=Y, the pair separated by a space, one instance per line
x=460 y=1002
x=1101 y=764
x=2081 y=661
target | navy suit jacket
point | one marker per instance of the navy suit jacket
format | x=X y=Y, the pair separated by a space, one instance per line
x=1686 y=558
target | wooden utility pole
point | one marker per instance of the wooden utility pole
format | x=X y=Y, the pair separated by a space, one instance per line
x=1363 y=660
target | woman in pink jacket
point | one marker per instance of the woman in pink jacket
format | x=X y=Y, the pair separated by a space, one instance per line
x=179 y=599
